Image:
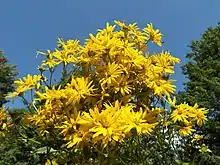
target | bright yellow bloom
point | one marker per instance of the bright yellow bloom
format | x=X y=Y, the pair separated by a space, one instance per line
x=73 y=130
x=121 y=24
x=109 y=74
x=18 y=92
x=180 y=114
x=46 y=118
x=170 y=59
x=162 y=87
x=68 y=53
x=50 y=95
x=137 y=121
x=135 y=58
x=130 y=27
x=105 y=123
x=79 y=88
x=72 y=45
x=71 y=124
x=185 y=131
x=81 y=85
x=75 y=138
x=199 y=114
x=50 y=61
x=153 y=35
x=164 y=62
x=188 y=116
x=28 y=82
x=122 y=85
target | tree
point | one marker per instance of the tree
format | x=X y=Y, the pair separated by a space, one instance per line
x=7 y=76
x=203 y=87
x=14 y=147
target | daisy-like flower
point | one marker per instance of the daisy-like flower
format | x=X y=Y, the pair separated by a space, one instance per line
x=153 y=34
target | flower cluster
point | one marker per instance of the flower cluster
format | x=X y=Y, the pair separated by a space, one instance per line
x=114 y=89
x=29 y=82
x=110 y=125
x=187 y=116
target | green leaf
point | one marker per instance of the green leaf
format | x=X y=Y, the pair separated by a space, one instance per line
x=42 y=150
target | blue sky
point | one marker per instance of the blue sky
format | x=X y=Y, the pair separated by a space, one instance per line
x=27 y=26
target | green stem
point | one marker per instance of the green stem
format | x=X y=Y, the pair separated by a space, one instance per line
x=51 y=77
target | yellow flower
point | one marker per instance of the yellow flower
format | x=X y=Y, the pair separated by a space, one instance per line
x=50 y=61
x=135 y=58
x=180 y=114
x=152 y=34
x=18 y=92
x=50 y=95
x=187 y=130
x=136 y=120
x=71 y=124
x=109 y=74
x=122 y=85
x=82 y=86
x=170 y=59
x=76 y=138
x=121 y=24
x=46 y=118
x=162 y=87
x=28 y=82
x=164 y=62
x=72 y=45
x=199 y=114
x=105 y=123
x=65 y=56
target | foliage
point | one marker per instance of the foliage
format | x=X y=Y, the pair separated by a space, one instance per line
x=109 y=102
x=7 y=77
x=203 y=86
x=14 y=149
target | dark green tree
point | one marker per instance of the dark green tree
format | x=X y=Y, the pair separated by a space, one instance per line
x=15 y=148
x=7 y=76
x=203 y=85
